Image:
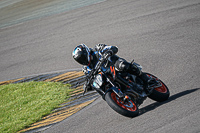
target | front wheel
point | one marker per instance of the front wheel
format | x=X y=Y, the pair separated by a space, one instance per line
x=128 y=108
x=160 y=93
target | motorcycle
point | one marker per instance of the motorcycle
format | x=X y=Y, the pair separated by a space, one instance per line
x=122 y=91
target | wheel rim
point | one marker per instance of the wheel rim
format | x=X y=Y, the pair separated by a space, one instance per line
x=161 y=89
x=130 y=105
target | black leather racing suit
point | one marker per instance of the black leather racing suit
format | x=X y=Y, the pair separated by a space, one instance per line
x=119 y=63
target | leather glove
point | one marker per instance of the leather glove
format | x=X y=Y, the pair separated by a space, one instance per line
x=84 y=69
x=107 y=54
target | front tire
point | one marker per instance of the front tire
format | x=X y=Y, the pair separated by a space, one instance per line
x=159 y=94
x=129 y=109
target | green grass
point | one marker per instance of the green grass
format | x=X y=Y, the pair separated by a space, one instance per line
x=25 y=103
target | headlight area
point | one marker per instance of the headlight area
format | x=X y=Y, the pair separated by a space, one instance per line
x=98 y=81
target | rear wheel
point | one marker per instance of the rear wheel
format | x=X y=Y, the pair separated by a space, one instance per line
x=128 y=108
x=160 y=93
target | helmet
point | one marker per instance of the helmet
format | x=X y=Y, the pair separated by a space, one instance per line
x=82 y=54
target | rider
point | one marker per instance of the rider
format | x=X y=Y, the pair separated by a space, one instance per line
x=89 y=58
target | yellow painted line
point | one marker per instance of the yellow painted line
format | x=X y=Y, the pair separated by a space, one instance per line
x=60 y=76
x=10 y=81
x=58 y=116
x=65 y=77
x=71 y=76
x=77 y=92
x=77 y=89
x=79 y=74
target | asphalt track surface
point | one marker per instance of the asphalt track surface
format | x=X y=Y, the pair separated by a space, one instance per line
x=162 y=36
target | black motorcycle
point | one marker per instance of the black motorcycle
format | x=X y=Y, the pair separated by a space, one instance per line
x=124 y=92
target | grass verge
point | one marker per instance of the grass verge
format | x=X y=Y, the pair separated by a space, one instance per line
x=26 y=103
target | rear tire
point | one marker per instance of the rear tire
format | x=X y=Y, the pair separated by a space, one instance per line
x=159 y=94
x=129 y=109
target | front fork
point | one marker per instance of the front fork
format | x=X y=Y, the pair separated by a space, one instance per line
x=115 y=89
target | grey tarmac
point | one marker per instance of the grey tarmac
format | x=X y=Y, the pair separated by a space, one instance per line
x=162 y=36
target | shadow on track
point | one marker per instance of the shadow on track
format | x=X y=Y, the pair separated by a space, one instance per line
x=171 y=98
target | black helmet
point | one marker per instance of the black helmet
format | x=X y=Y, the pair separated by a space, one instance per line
x=82 y=54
